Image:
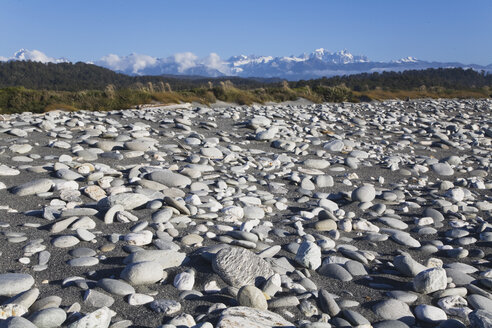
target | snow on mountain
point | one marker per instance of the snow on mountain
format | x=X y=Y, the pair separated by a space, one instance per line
x=406 y=60
x=33 y=55
x=242 y=65
x=319 y=63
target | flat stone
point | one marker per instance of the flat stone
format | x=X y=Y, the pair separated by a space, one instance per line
x=239 y=266
x=246 y=317
x=7 y=171
x=97 y=299
x=139 y=299
x=139 y=145
x=479 y=302
x=211 y=152
x=443 y=169
x=334 y=145
x=429 y=313
x=404 y=238
x=324 y=181
x=169 y=178
x=166 y=258
x=459 y=277
x=253 y=212
x=116 y=287
x=142 y=273
x=84 y=261
x=33 y=187
x=48 y=318
x=65 y=241
x=325 y=225
x=403 y=296
x=319 y=164
x=335 y=271
x=14 y=283
x=355 y=318
x=129 y=201
x=100 y=318
x=392 y=309
x=78 y=211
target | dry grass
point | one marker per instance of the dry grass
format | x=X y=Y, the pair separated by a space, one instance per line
x=58 y=106
x=418 y=94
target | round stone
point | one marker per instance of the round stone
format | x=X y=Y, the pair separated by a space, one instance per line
x=366 y=193
x=429 y=313
x=116 y=287
x=65 y=241
x=14 y=283
x=443 y=169
x=142 y=273
x=252 y=297
x=393 y=309
x=83 y=261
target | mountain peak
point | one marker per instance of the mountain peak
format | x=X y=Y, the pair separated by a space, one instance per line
x=318 y=63
x=36 y=56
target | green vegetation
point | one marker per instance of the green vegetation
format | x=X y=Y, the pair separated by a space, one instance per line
x=36 y=87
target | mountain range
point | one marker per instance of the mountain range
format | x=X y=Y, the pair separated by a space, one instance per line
x=305 y=66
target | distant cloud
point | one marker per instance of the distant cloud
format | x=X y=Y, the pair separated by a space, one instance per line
x=214 y=61
x=185 y=60
x=133 y=62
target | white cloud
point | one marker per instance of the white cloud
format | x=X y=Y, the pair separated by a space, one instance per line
x=185 y=60
x=132 y=62
x=137 y=64
x=214 y=61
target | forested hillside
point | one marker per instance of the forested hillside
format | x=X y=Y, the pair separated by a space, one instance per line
x=33 y=86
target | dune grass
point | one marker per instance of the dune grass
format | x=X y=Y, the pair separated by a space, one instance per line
x=19 y=99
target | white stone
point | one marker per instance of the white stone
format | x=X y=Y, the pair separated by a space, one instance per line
x=309 y=255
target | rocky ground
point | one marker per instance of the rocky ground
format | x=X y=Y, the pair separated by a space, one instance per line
x=333 y=215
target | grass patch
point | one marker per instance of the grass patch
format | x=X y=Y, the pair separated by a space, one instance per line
x=20 y=99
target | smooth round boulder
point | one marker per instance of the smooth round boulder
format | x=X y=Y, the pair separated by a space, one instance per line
x=142 y=273
x=49 y=318
x=364 y=194
x=252 y=297
x=14 y=283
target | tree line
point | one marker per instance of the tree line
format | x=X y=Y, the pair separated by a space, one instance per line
x=81 y=76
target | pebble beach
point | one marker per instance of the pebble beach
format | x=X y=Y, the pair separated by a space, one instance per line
x=280 y=215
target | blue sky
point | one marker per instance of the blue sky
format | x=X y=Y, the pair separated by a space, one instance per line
x=441 y=30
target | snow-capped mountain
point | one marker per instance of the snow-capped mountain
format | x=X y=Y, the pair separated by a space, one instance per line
x=319 y=63
x=34 y=55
